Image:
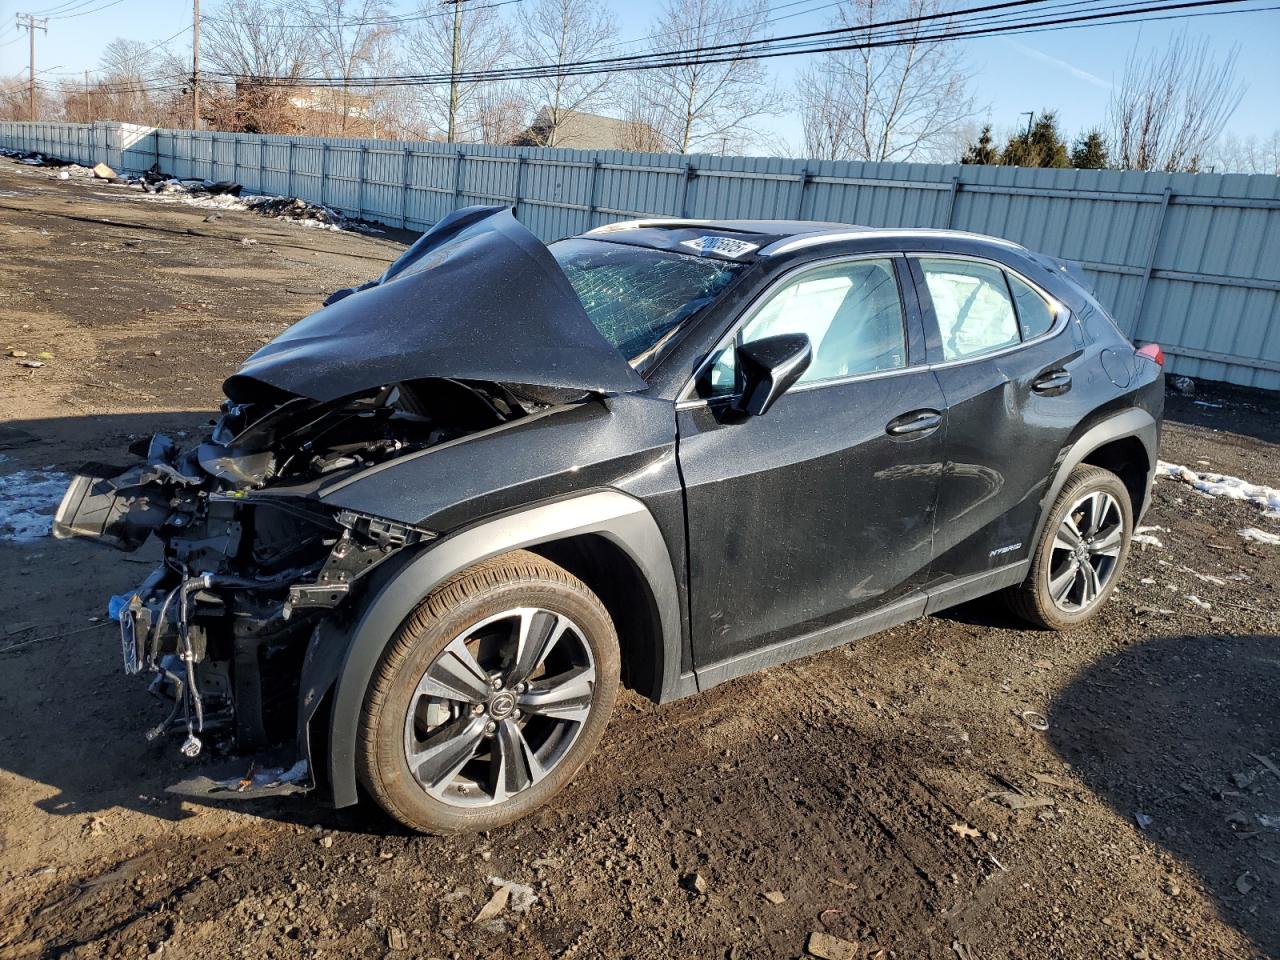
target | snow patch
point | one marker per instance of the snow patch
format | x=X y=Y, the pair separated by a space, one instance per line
x=28 y=501
x=1221 y=485
x=1147 y=535
x=290 y=210
x=1260 y=536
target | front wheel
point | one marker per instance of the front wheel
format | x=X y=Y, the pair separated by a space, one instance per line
x=490 y=697
x=1081 y=552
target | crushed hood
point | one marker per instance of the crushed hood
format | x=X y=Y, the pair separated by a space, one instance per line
x=477 y=297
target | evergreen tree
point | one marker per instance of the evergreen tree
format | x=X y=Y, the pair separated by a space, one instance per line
x=1041 y=146
x=1090 y=151
x=984 y=151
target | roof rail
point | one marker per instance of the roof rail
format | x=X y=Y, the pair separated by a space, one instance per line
x=816 y=239
x=647 y=222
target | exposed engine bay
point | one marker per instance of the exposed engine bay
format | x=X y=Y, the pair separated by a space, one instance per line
x=252 y=563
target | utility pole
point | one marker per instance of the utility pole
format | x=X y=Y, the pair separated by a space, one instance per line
x=195 y=64
x=453 y=70
x=88 y=99
x=1031 y=116
x=32 y=25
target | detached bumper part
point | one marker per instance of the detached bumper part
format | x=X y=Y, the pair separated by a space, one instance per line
x=114 y=510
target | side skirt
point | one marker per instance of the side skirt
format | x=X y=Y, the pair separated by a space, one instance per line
x=923 y=603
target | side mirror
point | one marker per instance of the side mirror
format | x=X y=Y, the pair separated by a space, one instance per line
x=769 y=367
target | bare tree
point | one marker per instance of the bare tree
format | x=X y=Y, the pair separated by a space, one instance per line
x=256 y=42
x=898 y=102
x=1251 y=154
x=476 y=38
x=15 y=102
x=127 y=70
x=501 y=112
x=642 y=117
x=1169 y=107
x=827 y=113
x=708 y=106
x=557 y=33
x=350 y=38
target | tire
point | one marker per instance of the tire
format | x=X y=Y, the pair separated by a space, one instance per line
x=450 y=682
x=1034 y=599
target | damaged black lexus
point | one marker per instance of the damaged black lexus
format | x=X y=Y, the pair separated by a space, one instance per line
x=439 y=522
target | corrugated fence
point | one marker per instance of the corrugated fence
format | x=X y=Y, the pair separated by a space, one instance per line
x=1189 y=260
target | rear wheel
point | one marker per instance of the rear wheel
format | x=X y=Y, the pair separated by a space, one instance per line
x=490 y=697
x=1081 y=552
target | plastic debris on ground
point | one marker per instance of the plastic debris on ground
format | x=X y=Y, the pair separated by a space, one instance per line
x=32 y=158
x=1221 y=485
x=217 y=194
x=224 y=195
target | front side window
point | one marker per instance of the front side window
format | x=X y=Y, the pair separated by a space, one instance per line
x=638 y=297
x=851 y=313
x=972 y=304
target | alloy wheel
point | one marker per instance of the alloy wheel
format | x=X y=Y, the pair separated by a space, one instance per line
x=499 y=707
x=1086 y=551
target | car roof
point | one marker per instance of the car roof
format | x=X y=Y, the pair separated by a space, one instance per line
x=750 y=239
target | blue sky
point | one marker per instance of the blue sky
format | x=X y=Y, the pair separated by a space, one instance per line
x=1069 y=71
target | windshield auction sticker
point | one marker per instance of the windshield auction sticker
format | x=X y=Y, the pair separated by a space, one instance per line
x=724 y=246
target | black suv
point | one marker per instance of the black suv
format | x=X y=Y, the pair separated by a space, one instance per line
x=441 y=519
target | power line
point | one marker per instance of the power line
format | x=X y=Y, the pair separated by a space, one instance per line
x=372 y=21
x=85 y=13
x=749 y=50
x=150 y=49
x=725 y=52
x=1024 y=26
x=616 y=63
x=64 y=6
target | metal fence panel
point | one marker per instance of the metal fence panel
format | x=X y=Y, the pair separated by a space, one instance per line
x=1190 y=260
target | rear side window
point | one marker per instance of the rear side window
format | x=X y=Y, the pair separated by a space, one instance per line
x=1034 y=312
x=971 y=301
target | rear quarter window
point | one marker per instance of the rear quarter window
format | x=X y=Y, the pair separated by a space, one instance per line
x=1035 y=314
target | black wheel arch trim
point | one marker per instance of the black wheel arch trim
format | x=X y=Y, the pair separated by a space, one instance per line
x=620 y=518
x=1133 y=422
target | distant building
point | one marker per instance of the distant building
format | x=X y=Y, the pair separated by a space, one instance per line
x=331 y=111
x=256 y=105
x=588 y=131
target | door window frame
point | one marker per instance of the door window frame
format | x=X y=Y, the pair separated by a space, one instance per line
x=1061 y=312
x=687 y=398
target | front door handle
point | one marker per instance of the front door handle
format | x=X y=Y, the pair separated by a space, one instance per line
x=1053 y=383
x=914 y=424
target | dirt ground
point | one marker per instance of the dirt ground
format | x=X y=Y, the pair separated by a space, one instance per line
x=867 y=789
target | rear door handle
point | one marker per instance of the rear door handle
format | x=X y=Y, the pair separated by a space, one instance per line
x=915 y=423
x=1053 y=383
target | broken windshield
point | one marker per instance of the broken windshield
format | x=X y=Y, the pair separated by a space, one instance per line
x=636 y=296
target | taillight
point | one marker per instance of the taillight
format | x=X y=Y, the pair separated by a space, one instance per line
x=1153 y=353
